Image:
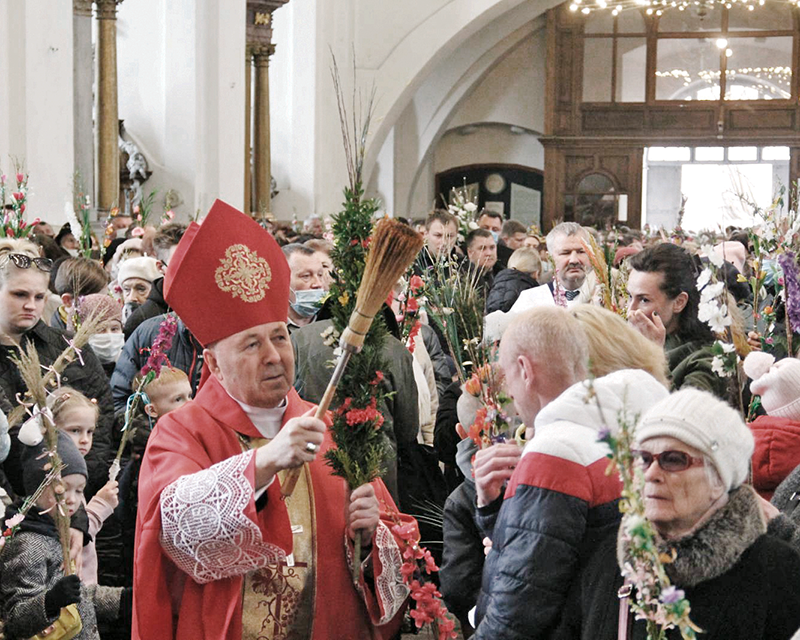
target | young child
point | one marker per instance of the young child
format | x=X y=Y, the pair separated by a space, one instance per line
x=32 y=583
x=75 y=415
x=169 y=391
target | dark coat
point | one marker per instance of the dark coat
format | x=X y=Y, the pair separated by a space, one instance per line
x=507 y=286
x=186 y=353
x=786 y=498
x=155 y=305
x=463 y=557
x=689 y=365
x=88 y=378
x=401 y=413
x=445 y=438
x=741 y=583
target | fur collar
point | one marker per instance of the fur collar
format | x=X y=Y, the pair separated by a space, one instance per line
x=716 y=546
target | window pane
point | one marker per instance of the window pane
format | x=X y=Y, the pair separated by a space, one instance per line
x=595 y=183
x=597 y=69
x=669 y=154
x=630 y=21
x=709 y=154
x=738 y=154
x=773 y=16
x=631 y=69
x=695 y=18
x=775 y=153
x=599 y=22
x=759 y=68
x=687 y=69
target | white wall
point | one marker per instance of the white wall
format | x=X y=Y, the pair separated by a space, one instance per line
x=36 y=109
x=489 y=144
x=181 y=68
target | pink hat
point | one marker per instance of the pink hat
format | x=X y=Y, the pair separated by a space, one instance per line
x=108 y=308
x=778 y=384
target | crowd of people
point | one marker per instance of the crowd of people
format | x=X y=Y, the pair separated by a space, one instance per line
x=195 y=539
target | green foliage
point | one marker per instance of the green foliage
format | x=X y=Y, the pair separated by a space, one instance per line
x=360 y=446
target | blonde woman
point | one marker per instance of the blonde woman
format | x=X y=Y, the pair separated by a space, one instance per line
x=23 y=290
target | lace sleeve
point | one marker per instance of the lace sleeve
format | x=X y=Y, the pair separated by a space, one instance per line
x=204 y=529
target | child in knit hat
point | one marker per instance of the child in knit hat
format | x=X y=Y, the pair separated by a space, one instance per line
x=33 y=587
x=777 y=434
x=76 y=415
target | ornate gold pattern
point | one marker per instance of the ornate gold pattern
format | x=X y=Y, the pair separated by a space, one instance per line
x=262 y=19
x=243 y=273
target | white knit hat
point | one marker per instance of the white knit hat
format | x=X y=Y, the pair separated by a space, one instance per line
x=706 y=423
x=144 y=268
x=778 y=384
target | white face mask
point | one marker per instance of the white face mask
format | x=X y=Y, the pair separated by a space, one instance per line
x=73 y=252
x=107 y=346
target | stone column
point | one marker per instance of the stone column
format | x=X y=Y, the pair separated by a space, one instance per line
x=261 y=141
x=107 y=126
x=248 y=142
x=82 y=92
x=259 y=40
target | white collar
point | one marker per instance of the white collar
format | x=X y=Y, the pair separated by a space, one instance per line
x=267 y=421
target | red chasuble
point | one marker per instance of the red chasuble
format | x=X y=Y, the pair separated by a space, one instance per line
x=198 y=533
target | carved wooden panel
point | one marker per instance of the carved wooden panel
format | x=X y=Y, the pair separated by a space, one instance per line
x=679 y=118
x=749 y=119
x=599 y=119
x=576 y=166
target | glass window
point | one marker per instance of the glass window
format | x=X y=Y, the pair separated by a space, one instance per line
x=669 y=154
x=741 y=154
x=775 y=153
x=600 y=22
x=631 y=69
x=595 y=183
x=773 y=16
x=597 y=60
x=695 y=18
x=687 y=69
x=709 y=154
x=630 y=21
x=759 y=68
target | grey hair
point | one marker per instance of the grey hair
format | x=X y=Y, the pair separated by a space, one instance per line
x=564 y=229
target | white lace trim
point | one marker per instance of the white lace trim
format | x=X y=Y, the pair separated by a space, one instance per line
x=389 y=586
x=203 y=526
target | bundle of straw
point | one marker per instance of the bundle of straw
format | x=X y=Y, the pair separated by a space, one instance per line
x=392 y=250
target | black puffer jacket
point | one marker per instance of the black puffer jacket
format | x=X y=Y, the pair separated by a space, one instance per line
x=186 y=354
x=155 y=305
x=88 y=378
x=507 y=286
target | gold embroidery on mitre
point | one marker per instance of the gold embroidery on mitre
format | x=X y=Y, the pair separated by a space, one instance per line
x=243 y=273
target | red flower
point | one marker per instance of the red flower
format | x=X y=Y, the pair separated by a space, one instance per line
x=416 y=283
x=412 y=305
x=378 y=378
x=354 y=242
x=20 y=178
x=18 y=195
x=365 y=242
x=22 y=208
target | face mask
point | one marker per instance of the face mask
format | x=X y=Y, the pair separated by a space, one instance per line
x=307 y=302
x=73 y=252
x=496 y=236
x=107 y=346
x=121 y=233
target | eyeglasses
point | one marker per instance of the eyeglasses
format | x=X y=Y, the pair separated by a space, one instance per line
x=21 y=261
x=668 y=460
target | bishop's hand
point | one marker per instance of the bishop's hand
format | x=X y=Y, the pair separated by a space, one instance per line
x=363 y=514
x=297 y=442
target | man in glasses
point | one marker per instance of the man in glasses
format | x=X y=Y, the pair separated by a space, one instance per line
x=558 y=497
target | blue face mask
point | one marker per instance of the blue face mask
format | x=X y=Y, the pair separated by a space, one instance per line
x=496 y=236
x=307 y=302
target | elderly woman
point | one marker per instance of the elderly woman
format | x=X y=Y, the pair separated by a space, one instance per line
x=741 y=583
x=135 y=278
x=23 y=289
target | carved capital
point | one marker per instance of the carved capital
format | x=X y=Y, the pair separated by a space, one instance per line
x=106 y=9
x=259 y=20
x=261 y=53
x=82 y=8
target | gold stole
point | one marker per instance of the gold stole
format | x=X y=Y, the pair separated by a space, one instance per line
x=278 y=600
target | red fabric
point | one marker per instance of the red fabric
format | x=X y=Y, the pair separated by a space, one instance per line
x=776 y=454
x=227 y=275
x=191 y=439
x=589 y=483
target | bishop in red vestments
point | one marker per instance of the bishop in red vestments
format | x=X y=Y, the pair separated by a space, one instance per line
x=218 y=554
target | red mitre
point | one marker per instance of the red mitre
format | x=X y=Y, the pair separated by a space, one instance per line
x=227 y=275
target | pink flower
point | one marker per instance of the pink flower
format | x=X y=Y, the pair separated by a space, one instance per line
x=137 y=232
x=14 y=521
x=18 y=195
x=3 y=179
x=20 y=178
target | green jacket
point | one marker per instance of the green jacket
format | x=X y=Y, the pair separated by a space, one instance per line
x=690 y=365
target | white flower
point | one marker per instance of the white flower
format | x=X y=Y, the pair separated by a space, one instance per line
x=718 y=367
x=473 y=225
x=704 y=278
x=727 y=347
x=716 y=317
x=711 y=292
x=471 y=207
